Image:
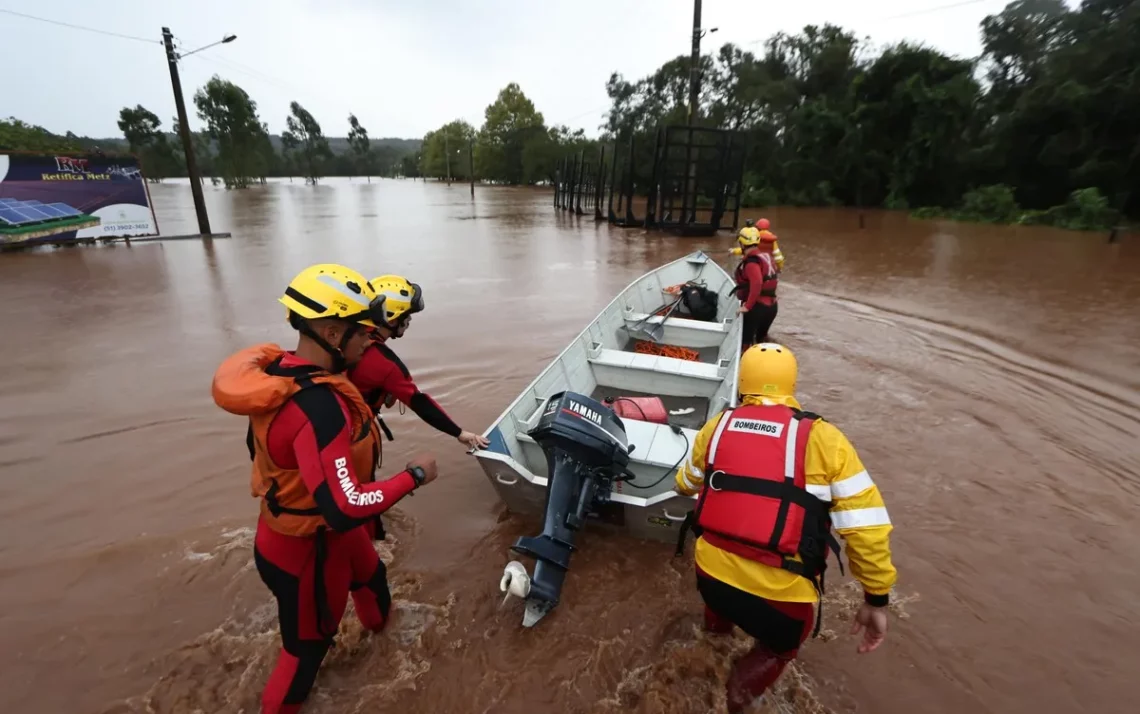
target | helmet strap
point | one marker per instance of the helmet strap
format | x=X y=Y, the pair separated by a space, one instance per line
x=340 y=362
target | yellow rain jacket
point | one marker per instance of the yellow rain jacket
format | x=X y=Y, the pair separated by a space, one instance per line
x=858 y=514
x=777 y=256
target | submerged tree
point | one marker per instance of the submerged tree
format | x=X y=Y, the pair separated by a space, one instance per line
x=361 y=147
x=304 y=136
x=232 y=122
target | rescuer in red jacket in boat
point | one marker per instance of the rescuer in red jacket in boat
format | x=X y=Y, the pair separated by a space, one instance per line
x=314 y=449
x=756 y=282
x=382 y=377
x=773 y=481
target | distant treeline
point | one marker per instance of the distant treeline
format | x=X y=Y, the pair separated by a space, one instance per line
x=236 y=148
x=1041 y=128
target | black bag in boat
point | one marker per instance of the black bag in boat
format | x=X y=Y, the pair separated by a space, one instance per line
x=699 y=301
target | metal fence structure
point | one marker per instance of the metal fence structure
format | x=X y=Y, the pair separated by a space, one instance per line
x=690 y=177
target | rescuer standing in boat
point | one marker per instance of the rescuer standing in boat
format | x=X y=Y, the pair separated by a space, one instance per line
x=773 y=480
x=382 y=377
x=314 y=449
x=756 y=282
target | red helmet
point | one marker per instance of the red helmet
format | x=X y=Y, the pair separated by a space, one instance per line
x=763 y=224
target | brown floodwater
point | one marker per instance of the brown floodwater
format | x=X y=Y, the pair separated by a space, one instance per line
x=990 y=378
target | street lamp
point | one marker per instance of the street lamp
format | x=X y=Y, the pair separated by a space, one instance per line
x=225 y=40
x=172 y=58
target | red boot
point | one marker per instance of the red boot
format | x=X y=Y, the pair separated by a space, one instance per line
x=751 y=676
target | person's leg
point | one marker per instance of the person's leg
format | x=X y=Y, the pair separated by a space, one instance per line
x=287 y=566
x=714 y=621
x=765 y=316
x=748 y=332
x=370 y=594
x=778 y=628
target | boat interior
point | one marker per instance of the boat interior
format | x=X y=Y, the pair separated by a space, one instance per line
x=691 y=367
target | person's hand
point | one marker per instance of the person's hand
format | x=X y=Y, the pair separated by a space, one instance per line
x=389 y=400
x=473 y=441
x=742 y=310
x=427 y=463
x=874 y=620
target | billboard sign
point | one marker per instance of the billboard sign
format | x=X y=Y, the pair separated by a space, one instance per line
x=57 y=198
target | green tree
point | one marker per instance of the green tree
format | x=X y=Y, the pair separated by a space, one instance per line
x=233 y=125
x=361 y=147
x=140 y=126
x=509 y=123
x=16 y=135
x=304 y=136
x=445 y=151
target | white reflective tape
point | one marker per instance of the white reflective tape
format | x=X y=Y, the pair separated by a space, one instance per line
x=790 y=450
x=849 y=487
x=860 y=518
x=823 y=492
x=711 y=458
x=341 y=288
x=685 y=476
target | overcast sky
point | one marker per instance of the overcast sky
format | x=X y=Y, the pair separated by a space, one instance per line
x=402 y=66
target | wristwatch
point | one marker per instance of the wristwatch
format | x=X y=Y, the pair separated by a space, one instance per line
x=418 y=475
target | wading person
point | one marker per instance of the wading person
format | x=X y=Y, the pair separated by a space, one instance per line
x=314 y=448
x=383 y=378
x=773 y=480
x=756 y=282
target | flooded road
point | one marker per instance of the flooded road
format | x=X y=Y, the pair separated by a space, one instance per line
x=990 y=378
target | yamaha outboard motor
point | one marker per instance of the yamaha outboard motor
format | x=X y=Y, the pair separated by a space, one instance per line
x=586 y=449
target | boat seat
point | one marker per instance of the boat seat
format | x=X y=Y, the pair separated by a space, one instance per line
x=679 y=331
x=656 y=444
x=654 y=374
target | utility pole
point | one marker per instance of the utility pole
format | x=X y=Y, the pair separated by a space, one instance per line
x=471 y=163
x=447 y=155
x=695 y=65
x=184 y=132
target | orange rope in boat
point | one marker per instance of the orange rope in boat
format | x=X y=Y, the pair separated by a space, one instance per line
x=650 y=348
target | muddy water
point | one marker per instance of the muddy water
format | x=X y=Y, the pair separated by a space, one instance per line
x=989 y=377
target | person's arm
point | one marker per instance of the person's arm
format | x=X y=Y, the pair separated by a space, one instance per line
x=859 y=514
x=323 y=447
x=755 y=282
x=398 y=382
x=690 y=475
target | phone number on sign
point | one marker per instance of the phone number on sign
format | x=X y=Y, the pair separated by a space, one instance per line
x=114 y=227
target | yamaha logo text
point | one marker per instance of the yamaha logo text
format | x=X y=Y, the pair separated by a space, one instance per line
x=585 y=412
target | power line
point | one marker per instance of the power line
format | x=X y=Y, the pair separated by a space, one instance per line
x=80 y=27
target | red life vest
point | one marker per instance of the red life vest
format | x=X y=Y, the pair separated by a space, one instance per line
x=767 y=269
x=754 y=502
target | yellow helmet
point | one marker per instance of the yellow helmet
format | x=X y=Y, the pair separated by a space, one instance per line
x=768 y=369
x=399 y=297
x=748 y=236
x=331 y=291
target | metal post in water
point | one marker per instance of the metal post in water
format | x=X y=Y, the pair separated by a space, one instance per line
x=630 y=219
x=581 y=180
x=613 y=179
x=471 y=163
x=600 y=186
x=447 y=156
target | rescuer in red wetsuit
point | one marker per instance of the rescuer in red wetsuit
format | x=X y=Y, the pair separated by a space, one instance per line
x=314 y=449
x=756 y=282
x=383 y=378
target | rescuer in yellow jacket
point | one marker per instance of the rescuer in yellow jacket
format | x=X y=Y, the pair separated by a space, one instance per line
x=759 y=232
x=759 y=455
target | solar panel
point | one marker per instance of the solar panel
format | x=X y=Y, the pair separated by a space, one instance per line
x=8 y=201
x=66 y=209
x=11 y=217
x=31 y=213
x=51 y=211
